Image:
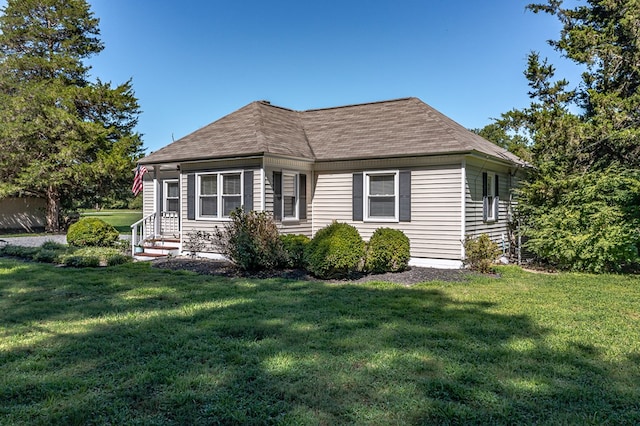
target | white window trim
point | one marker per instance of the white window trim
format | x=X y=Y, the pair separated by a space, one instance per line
x=296 y=208
x=165 y=192
x=219 y=196
x=396 y=190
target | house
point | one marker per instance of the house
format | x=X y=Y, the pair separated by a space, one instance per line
x=397 y=163
x=22 y=213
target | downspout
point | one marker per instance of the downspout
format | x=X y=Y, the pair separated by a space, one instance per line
x=262 y=183
x=463 y=205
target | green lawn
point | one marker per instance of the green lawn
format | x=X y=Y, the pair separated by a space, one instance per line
x=136 y=345
x=120 y=219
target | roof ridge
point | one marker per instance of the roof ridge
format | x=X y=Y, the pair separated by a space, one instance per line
x=301 y=122
x=359 y=104
x=261 y=139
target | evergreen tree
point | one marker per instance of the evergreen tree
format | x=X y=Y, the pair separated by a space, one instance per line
x=62 y=136
x=580 y=202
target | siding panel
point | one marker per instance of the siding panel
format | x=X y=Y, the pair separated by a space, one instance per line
x=434 y=229
x=475 y=224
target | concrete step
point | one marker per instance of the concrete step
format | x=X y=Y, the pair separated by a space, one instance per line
x=142 y=257
x=160 y=250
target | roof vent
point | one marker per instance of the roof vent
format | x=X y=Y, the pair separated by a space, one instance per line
x=265 y=102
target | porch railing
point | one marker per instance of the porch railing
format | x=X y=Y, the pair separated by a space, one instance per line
x=146 y=227
x=142 y=229
x=170 y=224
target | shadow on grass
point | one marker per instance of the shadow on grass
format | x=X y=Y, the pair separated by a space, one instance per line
x=132 y=345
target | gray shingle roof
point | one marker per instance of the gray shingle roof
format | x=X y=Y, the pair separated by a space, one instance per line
x=401 y=127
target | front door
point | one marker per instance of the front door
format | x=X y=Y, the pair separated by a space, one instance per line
x=170 y=214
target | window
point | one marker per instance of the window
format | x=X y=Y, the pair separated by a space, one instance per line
x=490 y=196
x=231 y=193
x=212 y=201
x=381 y=191
x=171 y=196
x=290 y=196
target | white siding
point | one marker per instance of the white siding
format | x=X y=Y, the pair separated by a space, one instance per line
x=434 y=230
x=147 y=195
x=475 y=225
x=276 y=165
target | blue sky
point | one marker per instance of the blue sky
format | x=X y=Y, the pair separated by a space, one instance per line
x=193 y=62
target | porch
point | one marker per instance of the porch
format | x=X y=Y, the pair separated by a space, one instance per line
x=156 y=235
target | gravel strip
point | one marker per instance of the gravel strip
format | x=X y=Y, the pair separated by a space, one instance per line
x=220 y=268
x=37 y=241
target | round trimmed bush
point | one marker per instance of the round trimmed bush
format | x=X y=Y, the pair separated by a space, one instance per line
x=294 y=245
x=92 y=232
x=388 y=251
x=335 y=251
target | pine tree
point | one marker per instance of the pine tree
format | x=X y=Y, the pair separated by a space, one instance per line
x=62 y=136
x=580 y=203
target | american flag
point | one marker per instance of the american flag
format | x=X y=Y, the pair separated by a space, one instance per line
x=137 y=180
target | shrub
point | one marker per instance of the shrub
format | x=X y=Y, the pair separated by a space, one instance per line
x=19 y=251
x=197 y=241
x=335 y=251
x=79 y=261
x=92 y=232
x=251 y=241
x=481 y=253
x=94 y=256
x=388 y=251
x=294 y=245
x=47 y=255
x=585 y=222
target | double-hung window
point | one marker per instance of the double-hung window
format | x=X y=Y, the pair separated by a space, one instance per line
x=218 y=194
x=491 y=199
x=290 y=197
x=171 y=196
x=208 y=196
x=381 y=192
x=231 y=192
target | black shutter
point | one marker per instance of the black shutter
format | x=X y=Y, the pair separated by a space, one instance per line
x=497 y=198
x=302 y=191
x=191 y=196
x=405 y=196
x=484 y=197
x=248 y=191
x=277 y=195
x=357 y=205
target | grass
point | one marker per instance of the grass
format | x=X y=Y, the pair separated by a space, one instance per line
x=120 y=219
x=135 y=345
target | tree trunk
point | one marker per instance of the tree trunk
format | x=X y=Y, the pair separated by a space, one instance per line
x=53 y=210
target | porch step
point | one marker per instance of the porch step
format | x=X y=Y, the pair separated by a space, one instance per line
x=163 y=242
x=158 y=248
x=149 y=256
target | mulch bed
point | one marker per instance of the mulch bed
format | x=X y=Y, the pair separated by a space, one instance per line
x=411 y=276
